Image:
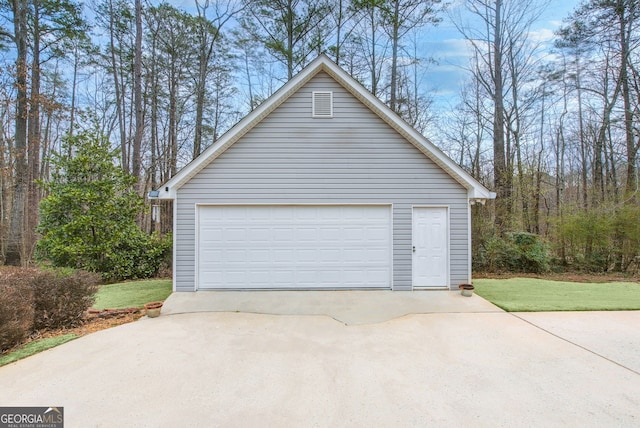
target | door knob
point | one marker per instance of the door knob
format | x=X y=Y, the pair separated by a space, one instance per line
x=414 y=248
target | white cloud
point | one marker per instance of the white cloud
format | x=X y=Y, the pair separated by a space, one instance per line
x=542 y=35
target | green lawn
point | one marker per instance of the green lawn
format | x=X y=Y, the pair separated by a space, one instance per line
x=539 y=295
x=132 y=294
x=34 y=347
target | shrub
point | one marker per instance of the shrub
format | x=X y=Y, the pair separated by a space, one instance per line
x=497 y=255
x=33 y=299
x=515 y=252
x=61 y=299
x=138 y=257
x=16 y=307
x=586 y=238
x=532 y=254
x=627 y=236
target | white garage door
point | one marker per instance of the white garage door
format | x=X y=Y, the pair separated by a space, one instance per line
x=293 y=247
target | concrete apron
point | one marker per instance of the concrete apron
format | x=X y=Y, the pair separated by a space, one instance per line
x=348 y=307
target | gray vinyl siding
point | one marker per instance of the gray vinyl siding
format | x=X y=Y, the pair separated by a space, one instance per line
x=352 y=158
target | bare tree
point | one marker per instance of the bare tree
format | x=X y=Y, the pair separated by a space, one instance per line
x=209 y=34
x=399 y=17
x=136 y=158
x=497 y=35
x=117 y=18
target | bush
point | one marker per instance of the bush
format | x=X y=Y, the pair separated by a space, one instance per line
x=61 y=299
x=16 y=307
x=138 y=257
x=496 y=255
x=34 y=299
x=627 y=236
x=515 y=252
x=532 y=254
x=586 y=240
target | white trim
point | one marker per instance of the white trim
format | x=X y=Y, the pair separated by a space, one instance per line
x=294 y=204
x=448 y=243
x=197 y=207
x=475 y=190
x=391 y=240
x=174 y=268
x=469 y=244
x=196 y=240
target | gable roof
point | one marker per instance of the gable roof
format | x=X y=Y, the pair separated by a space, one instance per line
x=476 y=191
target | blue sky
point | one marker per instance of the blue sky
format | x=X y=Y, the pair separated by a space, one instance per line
x=442 y=81
x=448 y=48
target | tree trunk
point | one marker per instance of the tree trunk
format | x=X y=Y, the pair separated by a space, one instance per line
x=339 y=24
x=72 y=112
x=581 y=136
x=394 y=59
x=290 y=17
x=118 y=91
x=500 y=172
x=173 y=119
x=374 y=76
x=14 y=250
x=136 y=160
x=632 y=150
x=33 y=139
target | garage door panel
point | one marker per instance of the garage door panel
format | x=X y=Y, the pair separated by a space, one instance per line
x=280 y=276
x=282 y=234
x=379 y=255
x=260 y=234
x=307 y=234
x=235 y=234
x=232 y=255
x=282 y=254
x=376 y=275
x=329 y=277
x=331 y=234
x=377 y=234
x=294 y=247
x=329 y=255
x=234 y=276
x=259 y=256
x=284 y=213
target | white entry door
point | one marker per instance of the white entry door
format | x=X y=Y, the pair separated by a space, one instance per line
x=430 y=238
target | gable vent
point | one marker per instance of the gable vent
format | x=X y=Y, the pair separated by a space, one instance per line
x=322 y=104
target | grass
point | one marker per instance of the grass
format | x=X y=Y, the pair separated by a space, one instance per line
x=539 y=295
x=36 y=346
x=132 y=294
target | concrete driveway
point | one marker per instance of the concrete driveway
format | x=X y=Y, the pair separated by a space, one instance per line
x=457 y=368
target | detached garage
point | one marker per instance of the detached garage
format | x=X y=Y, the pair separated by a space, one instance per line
x=322 y=187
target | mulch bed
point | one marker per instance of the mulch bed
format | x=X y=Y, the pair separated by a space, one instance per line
x=96 y=320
